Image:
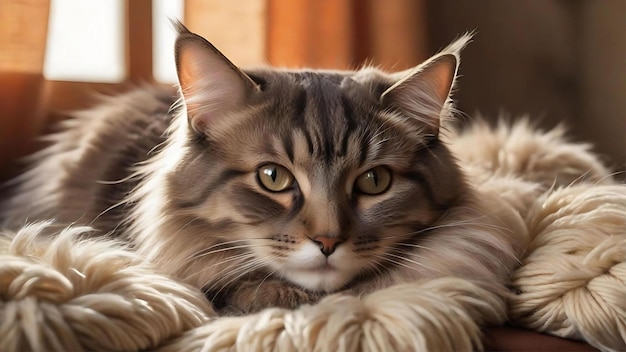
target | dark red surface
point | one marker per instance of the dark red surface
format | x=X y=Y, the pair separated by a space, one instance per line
x=516 y=339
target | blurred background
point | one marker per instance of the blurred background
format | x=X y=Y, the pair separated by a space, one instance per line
x=557 y=61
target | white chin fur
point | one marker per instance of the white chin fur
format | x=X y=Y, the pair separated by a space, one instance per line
x=309 y=268
x=327 y=280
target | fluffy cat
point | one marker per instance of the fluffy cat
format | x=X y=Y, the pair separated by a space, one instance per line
x=274 y=187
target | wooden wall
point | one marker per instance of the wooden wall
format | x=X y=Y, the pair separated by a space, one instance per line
x=558 y=61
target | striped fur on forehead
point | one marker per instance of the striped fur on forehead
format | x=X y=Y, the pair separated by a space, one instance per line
x=315 y=106
x=331 y=111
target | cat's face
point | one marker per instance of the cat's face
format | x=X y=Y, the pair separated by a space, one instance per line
x=316 y=177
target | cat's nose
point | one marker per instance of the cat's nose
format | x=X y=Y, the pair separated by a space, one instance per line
x=327 y=244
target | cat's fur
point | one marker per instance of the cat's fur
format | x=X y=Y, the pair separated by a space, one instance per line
x=182 y=186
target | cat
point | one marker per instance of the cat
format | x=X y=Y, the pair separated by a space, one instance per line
x=273 y=187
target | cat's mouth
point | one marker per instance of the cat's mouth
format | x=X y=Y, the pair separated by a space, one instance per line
x=323 y=268
x=323 y=277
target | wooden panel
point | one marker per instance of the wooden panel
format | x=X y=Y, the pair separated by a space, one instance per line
x=347 y=33
x=331 y=36
x=397 y=33
x=23 y=28
x=139 y=40
x=21 y=116
x=237 y=28
x=287 y=37
x=311 y=33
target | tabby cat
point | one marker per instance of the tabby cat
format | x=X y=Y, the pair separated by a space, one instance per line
x=274 y=187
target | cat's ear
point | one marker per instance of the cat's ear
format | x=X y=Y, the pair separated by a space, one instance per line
x=423 y=93
x=211 y=85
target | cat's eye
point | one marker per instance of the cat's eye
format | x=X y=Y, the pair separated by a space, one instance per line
x=275 y=178
x=374 y=181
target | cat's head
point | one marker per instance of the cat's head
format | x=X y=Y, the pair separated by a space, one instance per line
x=318 y=177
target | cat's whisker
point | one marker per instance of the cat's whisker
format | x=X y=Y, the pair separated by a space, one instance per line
x=229 y=248
x=477 y=223
x=224 y=243
x=463 y=223
x=239 y=258
x=374 y=267
x=115 y=182
x=412 y=245
x=262 y=281
x=395 y=262
x=410 y=261
x=235 y=270
x=229 y=257
x=151 y=152
x=235 y=258
x=452 y=225
x=232 y=258
x=243 y=270
x=106 y=211
x=207 y=250
x=403 y=253
x=244 y=267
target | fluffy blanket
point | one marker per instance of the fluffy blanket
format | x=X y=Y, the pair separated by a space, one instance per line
x=71 y=292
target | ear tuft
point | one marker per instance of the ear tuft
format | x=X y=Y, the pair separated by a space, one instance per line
x=423 y=93
x=179 y=27
x=211 y=85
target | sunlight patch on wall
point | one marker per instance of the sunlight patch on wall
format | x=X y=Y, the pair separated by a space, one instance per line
x=164 y=34
x=86 y=41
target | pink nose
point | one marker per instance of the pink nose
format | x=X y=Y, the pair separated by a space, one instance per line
x=327 y=244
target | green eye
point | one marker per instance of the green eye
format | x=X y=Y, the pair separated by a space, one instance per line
x=374 y=181
x=275 y=178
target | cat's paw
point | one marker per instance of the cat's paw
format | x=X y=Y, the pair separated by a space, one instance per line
x=253 y=296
